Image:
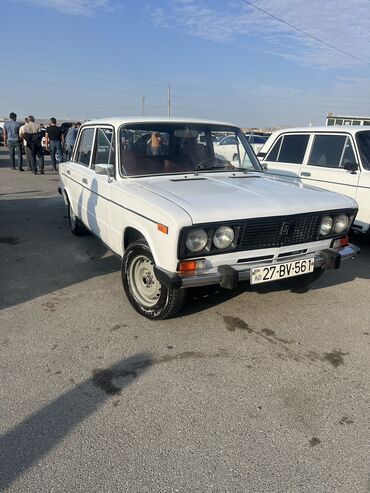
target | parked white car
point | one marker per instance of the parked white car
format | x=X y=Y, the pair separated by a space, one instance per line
x=228 y=148
x=335 y=158
x=180 y=216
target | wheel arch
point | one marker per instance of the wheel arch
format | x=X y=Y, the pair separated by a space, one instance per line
x=133 y=233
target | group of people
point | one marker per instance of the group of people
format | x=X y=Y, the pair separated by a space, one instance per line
x=29 y=137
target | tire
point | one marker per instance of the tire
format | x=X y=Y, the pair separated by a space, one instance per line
x=156 y=303
x=303 y=281
x=75 y=225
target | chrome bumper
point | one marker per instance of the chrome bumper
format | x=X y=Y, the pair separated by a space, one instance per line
x=228 y=276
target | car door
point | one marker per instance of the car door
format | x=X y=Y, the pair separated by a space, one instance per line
x=286 y=155
x=97 y=191
x=325 y=165
x=77 y=171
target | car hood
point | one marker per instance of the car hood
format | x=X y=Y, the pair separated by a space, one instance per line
x=228 y=196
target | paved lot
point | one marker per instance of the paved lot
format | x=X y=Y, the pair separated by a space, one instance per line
x=255 y=391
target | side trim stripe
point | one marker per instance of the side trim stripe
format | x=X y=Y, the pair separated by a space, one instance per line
x=112 y=201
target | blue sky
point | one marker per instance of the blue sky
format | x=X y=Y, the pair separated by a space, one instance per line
x=223 y=59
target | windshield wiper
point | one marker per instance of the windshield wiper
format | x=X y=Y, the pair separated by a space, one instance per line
x=226 y=165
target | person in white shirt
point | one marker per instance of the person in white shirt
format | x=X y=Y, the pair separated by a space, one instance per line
x=24 y=143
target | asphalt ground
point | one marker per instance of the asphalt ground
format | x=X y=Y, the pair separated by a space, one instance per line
x=259 y=390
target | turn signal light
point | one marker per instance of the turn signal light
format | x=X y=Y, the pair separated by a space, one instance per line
x=344 y=242
x=162 y=228
x=190 y=266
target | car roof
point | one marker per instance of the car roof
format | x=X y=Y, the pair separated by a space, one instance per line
x=117 y=121
x=330 y=128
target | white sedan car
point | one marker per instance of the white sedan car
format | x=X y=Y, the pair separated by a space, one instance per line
x=157 y=193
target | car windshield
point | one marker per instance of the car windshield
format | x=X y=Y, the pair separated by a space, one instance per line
x=161 y=148
x=363 y=142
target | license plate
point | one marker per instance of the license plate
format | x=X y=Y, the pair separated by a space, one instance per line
x=281 y=271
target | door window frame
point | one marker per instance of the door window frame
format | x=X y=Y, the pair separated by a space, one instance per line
x=341 y=133
x=288 y=134
x=100 y=127
x=75 y=150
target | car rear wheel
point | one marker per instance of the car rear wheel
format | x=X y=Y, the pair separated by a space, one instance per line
x=146 y=294
x=75 y=225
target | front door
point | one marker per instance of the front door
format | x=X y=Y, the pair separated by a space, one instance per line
x=98 y=189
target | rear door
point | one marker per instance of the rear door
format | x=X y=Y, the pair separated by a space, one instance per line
x=287 y=154
x=324 y=166
x=77 y=171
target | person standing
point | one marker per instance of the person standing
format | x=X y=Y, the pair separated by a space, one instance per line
x=33 y=136
x=54 y=140
x=70 y=140
x=24 y=143
x=12 y=140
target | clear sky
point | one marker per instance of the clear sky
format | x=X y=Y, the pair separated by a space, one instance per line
x=224 y=59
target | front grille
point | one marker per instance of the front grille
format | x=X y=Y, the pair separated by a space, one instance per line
x=272 y=232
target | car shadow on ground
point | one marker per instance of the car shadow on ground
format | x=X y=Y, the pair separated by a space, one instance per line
x=34 y=437
x=39 y=253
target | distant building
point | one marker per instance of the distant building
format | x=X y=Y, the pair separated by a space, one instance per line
x=332 y=119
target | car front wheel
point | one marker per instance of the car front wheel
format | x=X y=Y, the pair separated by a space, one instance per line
x=146 y=294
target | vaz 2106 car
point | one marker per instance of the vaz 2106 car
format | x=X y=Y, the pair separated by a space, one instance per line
x=179 y=214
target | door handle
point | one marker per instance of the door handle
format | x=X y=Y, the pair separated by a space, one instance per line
x=84 y=180
x=305 y=173
x=68 y=171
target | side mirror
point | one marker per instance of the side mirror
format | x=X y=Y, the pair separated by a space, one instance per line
x=264 y=166
x=352 y=167
x=104 y=169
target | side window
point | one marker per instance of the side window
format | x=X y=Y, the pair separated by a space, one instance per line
x=83 y=152
x=104 y=147
x=293 y=149
x=273 y=154
x=327 y=151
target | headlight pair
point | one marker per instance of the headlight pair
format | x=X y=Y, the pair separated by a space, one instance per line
x=334 y=224
x=198 y=239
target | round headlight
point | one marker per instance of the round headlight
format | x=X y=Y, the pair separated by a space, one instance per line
x=341 y=223
x=196 y=240
x=326 y=225
x=223 y=237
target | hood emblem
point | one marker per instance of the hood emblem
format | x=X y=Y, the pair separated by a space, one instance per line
x=286 y=229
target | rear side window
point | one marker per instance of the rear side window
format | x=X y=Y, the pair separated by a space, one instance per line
x=84 y=149
x=330 y=151
x=104 y=147
x=291 y=149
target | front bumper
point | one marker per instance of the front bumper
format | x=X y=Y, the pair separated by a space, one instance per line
x=228 y=276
